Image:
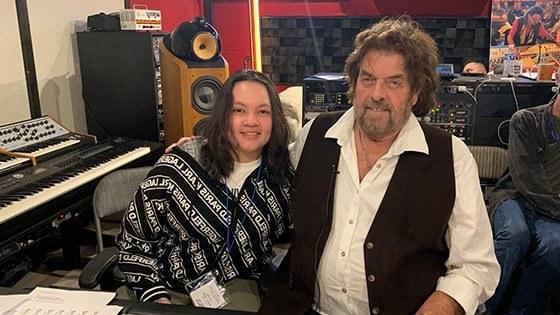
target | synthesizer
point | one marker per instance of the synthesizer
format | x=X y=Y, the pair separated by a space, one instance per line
x=26 y=142
x=32 y=186
x=47 y=171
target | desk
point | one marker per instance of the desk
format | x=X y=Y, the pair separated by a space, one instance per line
x=139 y=308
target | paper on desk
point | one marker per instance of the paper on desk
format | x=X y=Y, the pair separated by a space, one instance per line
x=9 y=301
x=70 y=296
x=61 y=302
x=42 y=308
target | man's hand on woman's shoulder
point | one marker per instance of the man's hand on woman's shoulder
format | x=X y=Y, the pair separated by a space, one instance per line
x=179 y=142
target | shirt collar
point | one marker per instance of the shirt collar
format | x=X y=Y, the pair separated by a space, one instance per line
x=411 y=137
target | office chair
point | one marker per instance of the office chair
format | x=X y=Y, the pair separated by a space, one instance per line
x=492 y=165
x=111 y=196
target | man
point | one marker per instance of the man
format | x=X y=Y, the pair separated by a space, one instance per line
x=389 y=217
x=526 y=221
x=515 y=11
x=474 y=67
x=529 y=30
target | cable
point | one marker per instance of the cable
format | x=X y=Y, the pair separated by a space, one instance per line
x=553 y=98
x=94 y=116
x=502 y=141
x=499 y=136
x=480 y=85
x=471 y=95
x=514 y=95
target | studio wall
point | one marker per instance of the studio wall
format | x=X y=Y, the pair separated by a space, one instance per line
x=53 y=25
x=231 y=18
x=53 y=32
x=295 y=47
x=14 y=105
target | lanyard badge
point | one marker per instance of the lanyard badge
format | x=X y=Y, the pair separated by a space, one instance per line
x=207 y=291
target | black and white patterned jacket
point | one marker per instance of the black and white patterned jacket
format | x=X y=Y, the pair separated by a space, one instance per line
x=176 y=227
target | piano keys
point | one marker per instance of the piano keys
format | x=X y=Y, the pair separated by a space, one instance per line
x=30 y=187
x=67 y=169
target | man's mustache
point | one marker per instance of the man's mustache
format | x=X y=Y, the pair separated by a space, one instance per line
x=380 y=105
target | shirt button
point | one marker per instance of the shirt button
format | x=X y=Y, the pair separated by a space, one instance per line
x=375 y=310
x=351 y=221
x=371 y=278
x=343 y=290
x=369 y=245
x=378 y=166
x=343 y=254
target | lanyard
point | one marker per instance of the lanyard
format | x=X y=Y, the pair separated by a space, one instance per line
x=235 y=214
x=230 y=238
x=233 y=222
x=227 y=246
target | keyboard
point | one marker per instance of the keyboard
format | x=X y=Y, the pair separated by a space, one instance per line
x=30 y=187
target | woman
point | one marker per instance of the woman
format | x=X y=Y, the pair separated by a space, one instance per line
x=212 y=207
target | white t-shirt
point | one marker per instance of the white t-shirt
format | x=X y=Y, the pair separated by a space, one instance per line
x=240 y=173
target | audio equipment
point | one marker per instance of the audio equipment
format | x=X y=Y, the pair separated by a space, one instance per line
x=478 y=111
x=324 y=92
x=196 y=40
x=498 y=100
x=119 y=73
x=103 y=22
x=445 y=71
x=189 y=91
x=27 y=142
x=140 y=19
x=47 y=176
x=454 y=110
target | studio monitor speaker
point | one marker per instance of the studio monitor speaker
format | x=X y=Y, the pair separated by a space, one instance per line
x=189 y=91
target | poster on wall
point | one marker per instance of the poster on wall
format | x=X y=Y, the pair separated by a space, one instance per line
x=528 y=31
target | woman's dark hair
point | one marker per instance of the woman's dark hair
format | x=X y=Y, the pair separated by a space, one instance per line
x=536 y=9
x=218 y=154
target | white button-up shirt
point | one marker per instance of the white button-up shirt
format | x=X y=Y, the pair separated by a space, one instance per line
x=472 y=269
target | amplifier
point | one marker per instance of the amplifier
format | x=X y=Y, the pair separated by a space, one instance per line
x=454 y=111
x=140 y=19
x=324 y=92
x=485 y=120
x=499 y=99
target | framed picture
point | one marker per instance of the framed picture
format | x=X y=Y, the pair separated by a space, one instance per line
x=525 y=30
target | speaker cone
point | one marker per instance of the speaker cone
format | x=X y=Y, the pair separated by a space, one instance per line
x=205 y=46
x=200 y=127
x=204 y=94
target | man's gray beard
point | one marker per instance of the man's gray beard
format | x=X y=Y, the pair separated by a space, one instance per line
x=372 y=127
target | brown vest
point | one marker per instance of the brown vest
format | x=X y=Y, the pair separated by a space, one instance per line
x=405 y=249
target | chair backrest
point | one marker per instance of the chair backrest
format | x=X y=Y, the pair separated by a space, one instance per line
x=492 y=164
x=114 y=193
x=491 y=161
